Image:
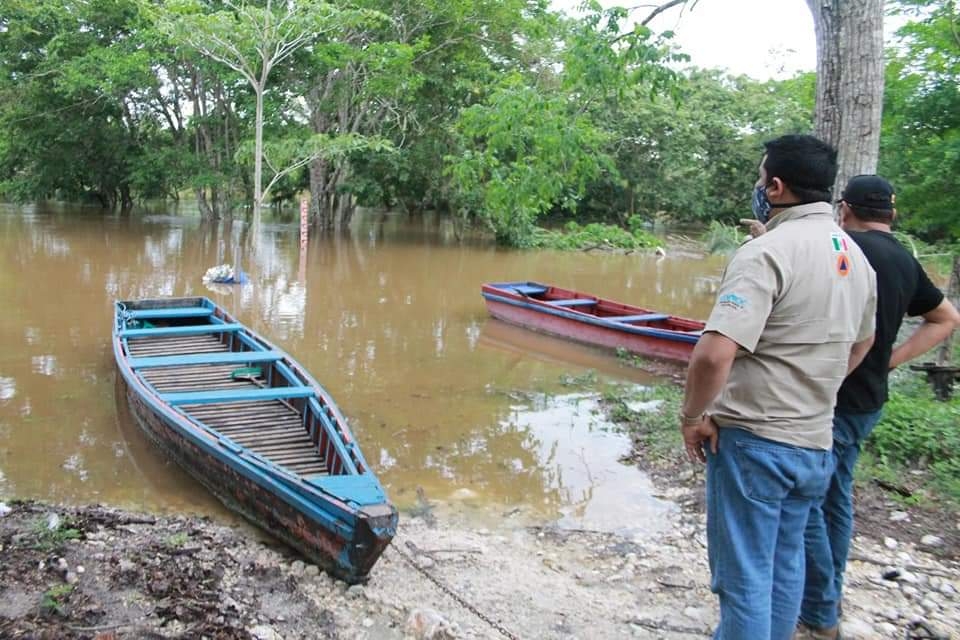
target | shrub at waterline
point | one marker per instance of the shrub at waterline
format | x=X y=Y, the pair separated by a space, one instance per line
x=594 y=236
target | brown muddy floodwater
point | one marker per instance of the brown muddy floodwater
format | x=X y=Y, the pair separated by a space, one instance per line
x=389 y=318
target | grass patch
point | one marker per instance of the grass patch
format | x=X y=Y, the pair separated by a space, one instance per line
x=918 y=434
x=48 y=538
x=54 y=599
x=654 y=429
x=178 y=539
x=630 y=359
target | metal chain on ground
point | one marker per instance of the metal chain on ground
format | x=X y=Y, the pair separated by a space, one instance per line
x=453 y=594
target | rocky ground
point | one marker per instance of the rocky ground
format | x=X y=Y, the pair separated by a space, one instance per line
x=94 y=572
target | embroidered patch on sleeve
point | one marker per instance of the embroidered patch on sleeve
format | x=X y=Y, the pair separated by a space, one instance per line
x=732 y=301
x=843 y=265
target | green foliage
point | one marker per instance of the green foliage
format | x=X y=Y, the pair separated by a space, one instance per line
x=592 y=236
x=47 y=538
x=920 y=141
x=630 y=359
x=178 y=539
x=586 y=379
x=523 y=153
x=918 y=432
x=654 y=429
x=723 y=238
x=54 y=599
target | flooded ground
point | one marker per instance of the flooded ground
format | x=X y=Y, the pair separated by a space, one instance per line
x=389 y=319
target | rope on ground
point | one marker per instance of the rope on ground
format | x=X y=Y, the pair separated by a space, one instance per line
x=453 y=594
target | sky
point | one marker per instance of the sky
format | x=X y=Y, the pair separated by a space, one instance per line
x=763 y=39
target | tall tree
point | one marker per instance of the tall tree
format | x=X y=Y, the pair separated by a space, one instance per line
x=252 y=40
x=849 y=81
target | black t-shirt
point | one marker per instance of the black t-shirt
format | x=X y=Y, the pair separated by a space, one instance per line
x=902 y=288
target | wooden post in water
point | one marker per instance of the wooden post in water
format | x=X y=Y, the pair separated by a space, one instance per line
x=304 y=230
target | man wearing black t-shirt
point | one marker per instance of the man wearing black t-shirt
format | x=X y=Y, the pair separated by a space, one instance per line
x=903 y=288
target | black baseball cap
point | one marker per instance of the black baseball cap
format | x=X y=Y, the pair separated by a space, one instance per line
x=869 y=191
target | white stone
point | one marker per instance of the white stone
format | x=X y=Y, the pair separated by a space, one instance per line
x=463 y=494
x=4 y=509
x=891 y=614
x=929 y=605
x=948 y=589
x=931 y=541
x=427 y=624
x=263 y=632
x=885 y=628
x=855 y=629
x=911 y=578
x=355 y=591
x=899 y=516
x=695 y=613
x=890 y=543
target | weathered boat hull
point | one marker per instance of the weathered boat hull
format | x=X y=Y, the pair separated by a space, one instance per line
x=341 y=522
x=659 y=336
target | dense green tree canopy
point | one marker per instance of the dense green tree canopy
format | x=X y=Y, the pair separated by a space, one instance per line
x=499 y=113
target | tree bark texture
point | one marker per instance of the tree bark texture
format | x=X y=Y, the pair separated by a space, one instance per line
x=849 y=82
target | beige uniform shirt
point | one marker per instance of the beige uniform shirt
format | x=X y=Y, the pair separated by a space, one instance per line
x=795 y=299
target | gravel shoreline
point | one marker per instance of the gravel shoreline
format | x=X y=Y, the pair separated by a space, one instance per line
x=96 y=572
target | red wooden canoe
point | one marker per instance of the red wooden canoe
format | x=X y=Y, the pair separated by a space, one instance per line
x=592 y=320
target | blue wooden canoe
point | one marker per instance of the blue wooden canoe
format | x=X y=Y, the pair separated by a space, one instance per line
x=256 y=429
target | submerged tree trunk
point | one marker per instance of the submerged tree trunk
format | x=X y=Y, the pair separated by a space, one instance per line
x=849 y=82
x=126 y=200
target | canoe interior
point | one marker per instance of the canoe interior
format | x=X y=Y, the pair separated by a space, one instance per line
x=589 y=305
x=293 y=433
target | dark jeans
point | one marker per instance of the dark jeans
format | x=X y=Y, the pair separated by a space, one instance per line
x=830 y=527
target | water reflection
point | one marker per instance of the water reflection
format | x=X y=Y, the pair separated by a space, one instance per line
x=389 y=318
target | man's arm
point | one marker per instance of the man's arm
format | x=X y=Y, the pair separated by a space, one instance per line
x=707 y=374
x=936 y=326
x=858 y=352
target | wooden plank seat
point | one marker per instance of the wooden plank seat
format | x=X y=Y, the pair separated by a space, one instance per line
x=229 y=357
x=528 y=289
x=573 y=302
x=640 y=317
x=189 y=330
x=207 y=397
x=170 y=312
x=148 y=347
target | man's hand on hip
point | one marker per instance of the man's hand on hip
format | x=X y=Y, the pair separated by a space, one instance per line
x=696 y=434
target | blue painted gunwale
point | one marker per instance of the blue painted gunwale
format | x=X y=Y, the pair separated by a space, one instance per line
x=548 y=309
x=335 y=505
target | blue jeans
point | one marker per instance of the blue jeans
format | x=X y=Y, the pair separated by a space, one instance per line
x=830 y=527
x=759 y=494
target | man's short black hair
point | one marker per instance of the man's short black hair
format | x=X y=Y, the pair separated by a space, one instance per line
x=807 y=165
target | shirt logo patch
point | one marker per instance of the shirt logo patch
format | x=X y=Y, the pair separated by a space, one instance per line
x=843 y=265
x=733 y=301
x=838 y=242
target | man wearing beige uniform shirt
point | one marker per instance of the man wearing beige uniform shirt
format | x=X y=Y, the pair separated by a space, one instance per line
x=795 y=312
